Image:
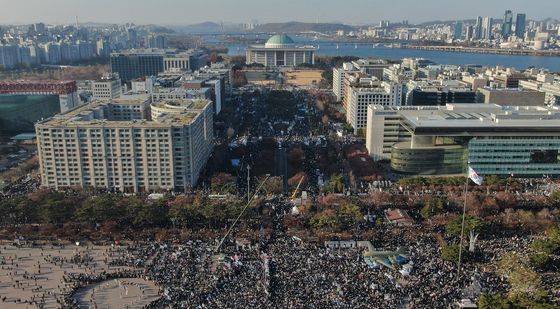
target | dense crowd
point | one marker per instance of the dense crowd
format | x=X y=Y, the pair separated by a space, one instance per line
x=281 y=271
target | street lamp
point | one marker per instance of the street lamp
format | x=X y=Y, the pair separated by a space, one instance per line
x=248 y=183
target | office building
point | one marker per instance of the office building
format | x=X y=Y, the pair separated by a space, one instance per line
x=507 y=24
x=339 y=74
x=496 y=140
x=510 y=96
x=362 y=91
x=178 y=63
x=458 y=31
x=520 y=22
x=398 y=73
x=160 y=94
x=437 y=92
x=133 y=64
x=280 y=51
x=371 y=66
x=552 y=94
x=474 y=82
x=22 y=103
x=508 y=78
x=126 y=145
x=107 y=87
x=416 y=63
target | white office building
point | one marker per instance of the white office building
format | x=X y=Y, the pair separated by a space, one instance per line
x=108 y=87
x=361 y=92
x=338 y=79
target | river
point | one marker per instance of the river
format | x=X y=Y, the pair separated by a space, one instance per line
x=332 y=48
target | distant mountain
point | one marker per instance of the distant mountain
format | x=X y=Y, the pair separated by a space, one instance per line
x=207 y=26
x=159 y=29
x=295 y=26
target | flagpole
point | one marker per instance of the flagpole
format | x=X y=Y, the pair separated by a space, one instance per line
x=463 y=221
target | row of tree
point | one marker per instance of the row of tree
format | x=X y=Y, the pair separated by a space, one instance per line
x=126 y=211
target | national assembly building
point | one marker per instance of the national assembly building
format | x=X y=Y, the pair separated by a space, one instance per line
x=280 y=51
x=127 y=145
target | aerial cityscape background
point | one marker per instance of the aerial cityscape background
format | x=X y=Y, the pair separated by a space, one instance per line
x=177 y=12
x=259 y=154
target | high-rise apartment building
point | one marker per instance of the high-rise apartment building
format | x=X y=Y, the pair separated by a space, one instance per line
x=469 y=33
x=126 y=145
x=487 y=24
x=478 y=28
x=155 y=41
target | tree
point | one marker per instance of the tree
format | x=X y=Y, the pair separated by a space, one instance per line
x=274 y=185
x=553 y=234
x=381 y=198
x=450 y=253
x=506 y=199
x=432 y=207
x=99 y=209
x=473 y=227
x=294 y=180
x=147 y=214
x=327 y=219
x=296 y=156
x=471 y=224
x=327 y=76
x=493 y=301
x=224 y=183
x=555 y=198
x=185 y=214
x=335 y=184
x=541 y=261
x=56 y=211
x=523 y=280
x=349 y=214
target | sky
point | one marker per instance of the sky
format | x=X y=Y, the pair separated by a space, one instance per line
x=185 y=12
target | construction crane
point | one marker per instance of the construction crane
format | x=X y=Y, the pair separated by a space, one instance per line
x=297 y=188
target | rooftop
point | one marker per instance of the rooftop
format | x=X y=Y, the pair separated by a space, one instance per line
x=101 y=112
x=464 y=119
x=279 y=41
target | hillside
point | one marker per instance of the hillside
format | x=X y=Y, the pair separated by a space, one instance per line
x=300 y=27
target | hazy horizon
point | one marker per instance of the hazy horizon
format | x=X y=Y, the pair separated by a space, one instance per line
x=186 y=12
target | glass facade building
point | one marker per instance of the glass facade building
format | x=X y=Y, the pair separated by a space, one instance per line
x=520 y=156
x=18 y=113
x=495 y=140
x=133 y=66
x=444 y=159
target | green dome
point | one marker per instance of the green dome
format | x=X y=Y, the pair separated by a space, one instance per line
x=279 y=40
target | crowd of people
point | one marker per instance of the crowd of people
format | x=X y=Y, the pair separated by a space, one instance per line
x=282 y=271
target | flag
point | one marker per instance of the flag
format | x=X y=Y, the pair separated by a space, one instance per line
x=475 y=177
